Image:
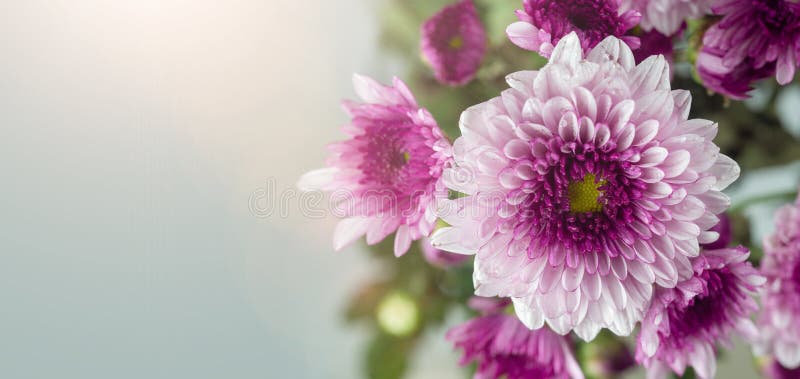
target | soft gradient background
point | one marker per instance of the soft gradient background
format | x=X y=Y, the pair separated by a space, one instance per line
x=132 y=137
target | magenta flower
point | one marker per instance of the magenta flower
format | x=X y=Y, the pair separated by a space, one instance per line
x=387 y=176
x=454 y=42
x=503 y=347
x=684 y=324
x=587 y=184
x=544 y=22
x=441 y=258
x=755 y=39
x=779 y=321
x=667 y=16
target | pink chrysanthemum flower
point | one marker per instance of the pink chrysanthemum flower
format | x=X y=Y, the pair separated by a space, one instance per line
x=684 y=324
x=454 y=42
x=387 y=176
x=544 y=22
x=754 y=39
x=668 y=16
x=503 y=347
x=780 y=320
x=588 y=184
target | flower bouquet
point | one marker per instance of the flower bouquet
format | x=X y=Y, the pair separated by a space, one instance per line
x=558 y=173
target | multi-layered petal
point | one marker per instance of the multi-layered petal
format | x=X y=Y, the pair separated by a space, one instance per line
x=755 y=39
x=503 y=347
x=587 y=185
x=386 y=177
x=684 y=324
x=542 y=23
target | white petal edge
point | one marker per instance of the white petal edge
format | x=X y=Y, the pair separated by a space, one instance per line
x=448 y=239
x=349 y=230
x=402 y=240
x=612 y=49
x=568 y=51
x=317 y=180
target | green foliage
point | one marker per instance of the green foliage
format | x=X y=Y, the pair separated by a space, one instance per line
x=387 y=356
x=689 y=374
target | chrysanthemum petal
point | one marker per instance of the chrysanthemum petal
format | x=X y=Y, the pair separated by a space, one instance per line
x=544 y=23
x=591 y=189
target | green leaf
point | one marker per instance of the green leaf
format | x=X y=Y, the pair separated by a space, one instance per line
x=387 y=357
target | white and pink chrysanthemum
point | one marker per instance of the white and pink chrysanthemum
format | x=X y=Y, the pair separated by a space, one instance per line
x=779 y=321
x=684 y=324
x=454 y=42
x=587 y=184
x=503 y=347
x=387 y=175
x=668 y=16
x=542 y=23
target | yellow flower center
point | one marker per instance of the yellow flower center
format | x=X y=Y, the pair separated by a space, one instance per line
x=583 y=195
x=456 y=42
